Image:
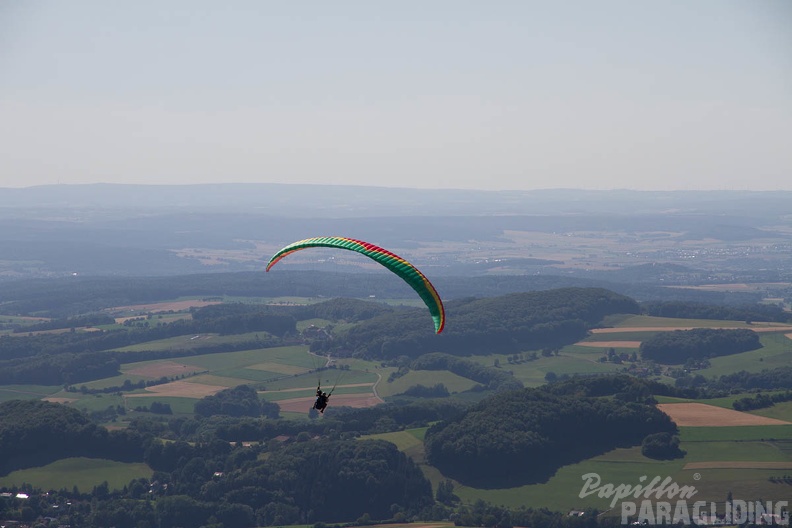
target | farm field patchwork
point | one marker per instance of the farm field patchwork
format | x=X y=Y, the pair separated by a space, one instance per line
x=274 y=371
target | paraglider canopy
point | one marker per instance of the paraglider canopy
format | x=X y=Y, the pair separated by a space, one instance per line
x=409 y=273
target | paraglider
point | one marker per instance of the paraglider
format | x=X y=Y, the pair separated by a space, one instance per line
x=321 y=400
x=409 y=273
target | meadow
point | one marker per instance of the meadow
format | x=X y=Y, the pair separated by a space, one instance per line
x=85 y=473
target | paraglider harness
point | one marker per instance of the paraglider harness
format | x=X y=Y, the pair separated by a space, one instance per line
x=321 y=400
x=322 y=397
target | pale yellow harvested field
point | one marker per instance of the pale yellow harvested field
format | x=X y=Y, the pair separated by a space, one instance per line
x=165 y=368
x=303 y=405
x=738 y=465
x=703 y=415
x=672 y=328
x=610 y=344
x=179 y=389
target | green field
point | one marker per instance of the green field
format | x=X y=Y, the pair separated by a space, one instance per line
x=25 y=392
x=619 y=336
x=85 y=473
x=427 y=378
x=571 y=360
x=779 y=411
x=776 y=351
x=736 y=433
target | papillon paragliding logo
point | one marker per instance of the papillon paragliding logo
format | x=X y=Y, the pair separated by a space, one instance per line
x=661 y=501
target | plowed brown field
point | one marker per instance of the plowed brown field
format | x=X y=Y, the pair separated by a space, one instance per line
x=303 y=405
x=703 y=415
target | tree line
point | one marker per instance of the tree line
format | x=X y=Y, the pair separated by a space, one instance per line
x=679 y=346
x=761 y=401
x=696 y=310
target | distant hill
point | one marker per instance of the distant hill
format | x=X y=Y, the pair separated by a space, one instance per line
x=339 y=201
x=503 y=324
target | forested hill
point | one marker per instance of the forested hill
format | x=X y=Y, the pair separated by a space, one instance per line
x=505 y=324
x=35 y=433
x=524 y=436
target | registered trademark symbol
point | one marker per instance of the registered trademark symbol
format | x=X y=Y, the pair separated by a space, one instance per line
x=696 y=476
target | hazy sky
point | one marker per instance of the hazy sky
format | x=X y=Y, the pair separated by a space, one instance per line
x=656 y=94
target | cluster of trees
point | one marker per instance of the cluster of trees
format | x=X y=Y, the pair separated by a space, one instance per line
x=156 y=408
x=661 y=446
x=698 y=386
x=238 y=318
x=621 y=387
x=421 y=391
x=679 y=346
x=383 y=418
x=242 y=400
x=342 y=309
x=697 y=310
x=761 y=401
x=776 y=378
x=69 y=322
x=525 y=435
x=62 y=369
